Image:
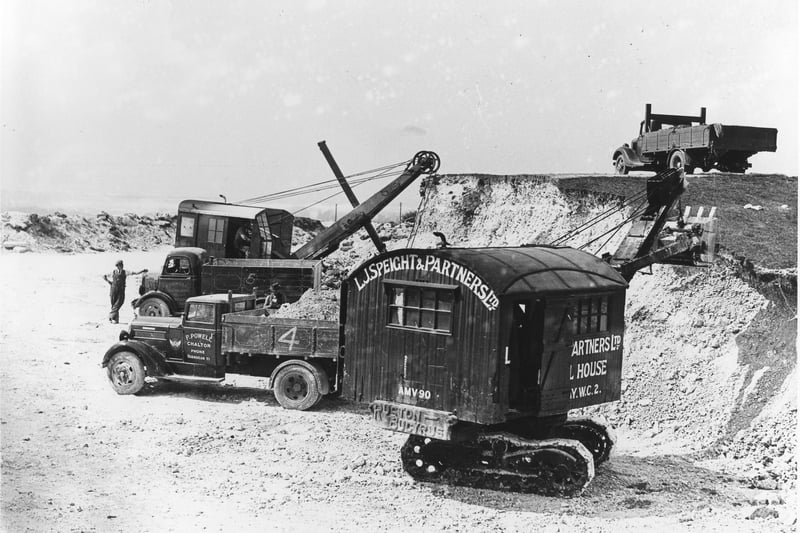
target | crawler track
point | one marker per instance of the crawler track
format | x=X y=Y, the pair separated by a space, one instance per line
x=502 y=461
x=593 y=432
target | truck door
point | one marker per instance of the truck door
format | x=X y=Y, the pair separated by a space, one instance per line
x=202 y=337
x=179 y=279
x=524 y=353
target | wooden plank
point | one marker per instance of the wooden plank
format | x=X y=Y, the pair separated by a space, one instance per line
x=327 y=341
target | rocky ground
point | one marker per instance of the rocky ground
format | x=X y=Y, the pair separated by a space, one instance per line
x=30 y=232
x=706 y=424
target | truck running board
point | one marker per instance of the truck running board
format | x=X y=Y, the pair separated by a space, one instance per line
x=191 y=379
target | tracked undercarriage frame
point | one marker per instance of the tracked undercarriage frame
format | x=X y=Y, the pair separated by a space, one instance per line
x=559 y=461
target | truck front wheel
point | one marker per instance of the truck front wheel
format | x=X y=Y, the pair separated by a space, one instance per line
x=126 y=373
x=296 y=387
x=153 y=307
x=620 y=168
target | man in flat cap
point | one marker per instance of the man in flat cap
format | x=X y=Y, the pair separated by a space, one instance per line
x=117 y=283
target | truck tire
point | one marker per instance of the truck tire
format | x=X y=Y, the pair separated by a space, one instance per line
x=153 y=307
x=678 y=160
x=126 y=373
x=620 y=169
x=296 y=387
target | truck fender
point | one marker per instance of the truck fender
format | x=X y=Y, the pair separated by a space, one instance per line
x=627 y=153
x=323 y=383
x=166 y=298
x=154 y=362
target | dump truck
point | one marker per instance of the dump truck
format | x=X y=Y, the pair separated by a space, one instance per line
x=687 y=142
x=222 y=247
x=222 y=334
x=477 y=354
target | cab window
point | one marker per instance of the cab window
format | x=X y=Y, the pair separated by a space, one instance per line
x=200 y=312
x=177 y=265
x=590 y=315
x=420 y=307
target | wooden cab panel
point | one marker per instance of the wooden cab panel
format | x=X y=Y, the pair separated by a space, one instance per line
x=484 y=334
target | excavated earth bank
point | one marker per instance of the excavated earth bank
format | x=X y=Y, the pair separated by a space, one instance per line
x=709 y=362
x=710 y=356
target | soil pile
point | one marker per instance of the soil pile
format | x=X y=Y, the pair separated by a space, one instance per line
x=24 y=232
x=31 y=232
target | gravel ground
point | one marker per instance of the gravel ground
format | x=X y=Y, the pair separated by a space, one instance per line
x=77 y=457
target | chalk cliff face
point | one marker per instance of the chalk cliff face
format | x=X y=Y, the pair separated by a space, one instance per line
x=482 y=210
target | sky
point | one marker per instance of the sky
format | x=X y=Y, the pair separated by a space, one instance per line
x=135 y=105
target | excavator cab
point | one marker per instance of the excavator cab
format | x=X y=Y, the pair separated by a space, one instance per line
x=234 y=231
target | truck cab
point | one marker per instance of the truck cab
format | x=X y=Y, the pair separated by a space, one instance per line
x=166 y=293
x=189 y=345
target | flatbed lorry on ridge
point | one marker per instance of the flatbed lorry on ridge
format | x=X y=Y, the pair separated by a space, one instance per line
x=687 y=142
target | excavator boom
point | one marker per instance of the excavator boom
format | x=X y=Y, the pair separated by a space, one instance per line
x=327 y=241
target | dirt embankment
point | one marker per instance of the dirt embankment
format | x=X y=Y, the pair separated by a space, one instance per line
x=710 y=353
x=59 y=232
x=24 y=232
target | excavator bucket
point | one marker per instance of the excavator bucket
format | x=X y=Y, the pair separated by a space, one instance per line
x=701 y=231
x=655 y=238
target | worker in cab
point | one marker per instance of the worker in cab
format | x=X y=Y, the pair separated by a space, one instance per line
x=243 y=239
x=275 y=298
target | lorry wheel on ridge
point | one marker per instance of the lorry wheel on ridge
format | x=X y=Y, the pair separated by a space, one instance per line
x=126 y=373
x=296 y=388
x=153 y=307
x=677 y=160
x=619 y=166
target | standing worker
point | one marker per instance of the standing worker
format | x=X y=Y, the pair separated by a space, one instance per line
x=117 y=283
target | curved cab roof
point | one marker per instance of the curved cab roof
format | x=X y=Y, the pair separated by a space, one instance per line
x=226 y=210
x=525 y=270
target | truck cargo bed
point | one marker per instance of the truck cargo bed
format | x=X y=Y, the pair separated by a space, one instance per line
x=246 y=275
x=745 y=138
x=252 y=332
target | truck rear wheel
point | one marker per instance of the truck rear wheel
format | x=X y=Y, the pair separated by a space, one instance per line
x=153 y=307
x=126 y=373
x=296 y=387
x=678 y=160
